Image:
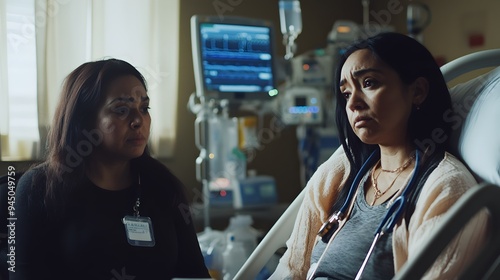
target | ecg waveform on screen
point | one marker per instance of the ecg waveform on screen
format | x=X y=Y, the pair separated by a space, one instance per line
x=215 y=67
x=236 y=60
x=236 y=56
x=236 y=44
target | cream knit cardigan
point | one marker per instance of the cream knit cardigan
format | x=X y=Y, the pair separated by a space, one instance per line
x=443 y=187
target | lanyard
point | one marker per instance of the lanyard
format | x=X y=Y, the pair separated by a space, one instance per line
x=139 y=230
x=137 y=204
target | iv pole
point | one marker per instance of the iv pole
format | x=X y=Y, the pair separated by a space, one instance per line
x=203 y=112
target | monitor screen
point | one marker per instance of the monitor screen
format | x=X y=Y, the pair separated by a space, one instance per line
x=233 y=58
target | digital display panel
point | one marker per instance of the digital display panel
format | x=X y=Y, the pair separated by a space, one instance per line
x=235 y=60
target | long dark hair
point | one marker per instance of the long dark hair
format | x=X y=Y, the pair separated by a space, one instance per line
x=74 y=118
x=411 y=60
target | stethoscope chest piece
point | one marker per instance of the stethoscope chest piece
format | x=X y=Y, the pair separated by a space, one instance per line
x=330 y=226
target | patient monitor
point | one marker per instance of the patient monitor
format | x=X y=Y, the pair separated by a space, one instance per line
x=233 y=58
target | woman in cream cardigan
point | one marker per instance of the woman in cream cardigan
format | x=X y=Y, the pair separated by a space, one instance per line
x=393 y=107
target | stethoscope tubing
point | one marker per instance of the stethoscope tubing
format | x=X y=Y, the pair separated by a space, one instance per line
x=357 y=179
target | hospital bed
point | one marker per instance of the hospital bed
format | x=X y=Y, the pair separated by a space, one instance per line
x=476 y=142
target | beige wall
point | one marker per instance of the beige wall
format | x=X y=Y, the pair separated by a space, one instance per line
x=453 y=20
x=452 y=23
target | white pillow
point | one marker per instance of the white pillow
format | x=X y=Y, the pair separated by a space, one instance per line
x=476 y=124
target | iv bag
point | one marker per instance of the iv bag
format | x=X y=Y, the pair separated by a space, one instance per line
x=290 y=17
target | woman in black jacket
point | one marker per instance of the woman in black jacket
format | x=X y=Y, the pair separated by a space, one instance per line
x=100 y=207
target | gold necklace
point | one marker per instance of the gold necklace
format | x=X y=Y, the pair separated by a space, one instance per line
x=402 y=167
x=377 y=192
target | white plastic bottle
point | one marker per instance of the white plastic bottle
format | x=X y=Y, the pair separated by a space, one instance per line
x=240 y=226
x=212 y=245
x=234 y=257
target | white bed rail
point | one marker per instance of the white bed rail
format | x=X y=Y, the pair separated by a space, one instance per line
x=470 y=62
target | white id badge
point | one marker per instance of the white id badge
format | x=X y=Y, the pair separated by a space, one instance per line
x=139 y=231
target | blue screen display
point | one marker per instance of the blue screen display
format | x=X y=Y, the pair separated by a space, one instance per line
x=236 y=58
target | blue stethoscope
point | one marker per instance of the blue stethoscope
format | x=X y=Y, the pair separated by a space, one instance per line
x=387 y=224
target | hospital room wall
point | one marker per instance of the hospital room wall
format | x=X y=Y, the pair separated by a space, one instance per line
x=454 y=22
x=279 y=157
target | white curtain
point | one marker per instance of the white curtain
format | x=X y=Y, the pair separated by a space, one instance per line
x=142 y=32
x=18 y=124
x=4 y=97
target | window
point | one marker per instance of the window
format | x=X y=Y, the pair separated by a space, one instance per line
x=42 y=41
x=19 y=129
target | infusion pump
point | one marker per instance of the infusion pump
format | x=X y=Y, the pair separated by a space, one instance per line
x=302 y=105
x=306 y=92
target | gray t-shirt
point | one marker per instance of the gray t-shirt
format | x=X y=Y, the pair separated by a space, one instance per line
x=347 y=251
